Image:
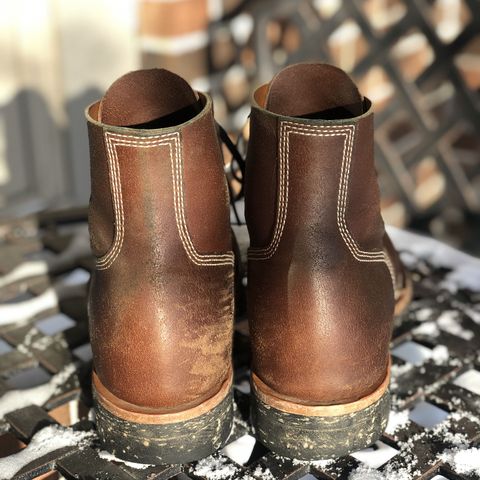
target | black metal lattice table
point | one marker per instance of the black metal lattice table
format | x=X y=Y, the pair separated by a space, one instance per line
x=434 y=426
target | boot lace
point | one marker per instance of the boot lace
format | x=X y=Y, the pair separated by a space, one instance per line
x=234 y=169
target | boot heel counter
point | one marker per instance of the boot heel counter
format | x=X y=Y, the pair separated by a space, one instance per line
x=168 y=286
x=329 y=273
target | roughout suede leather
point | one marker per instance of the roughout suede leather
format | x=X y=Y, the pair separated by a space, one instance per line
x=161 y=297
x=320 y=290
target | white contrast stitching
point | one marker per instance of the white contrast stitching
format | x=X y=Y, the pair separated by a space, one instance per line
x=267 y=252
x=348 y=131
x=105 y=261
x=172 y=140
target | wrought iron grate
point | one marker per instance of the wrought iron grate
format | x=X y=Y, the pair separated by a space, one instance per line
x=435 y=386
x=418 y=60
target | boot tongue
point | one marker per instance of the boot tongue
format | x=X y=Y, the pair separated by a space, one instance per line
x=314 y=90
x=149 y=99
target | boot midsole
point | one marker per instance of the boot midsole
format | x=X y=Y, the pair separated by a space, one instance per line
x=269 y=397
x=123 y=410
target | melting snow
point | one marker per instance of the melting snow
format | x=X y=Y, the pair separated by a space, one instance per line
x=473 y=313
x=363 y=472
x=440 y=354
x=112 y=458
x=465 y=272
x=423 y=314
x=428 y=328
x=443 y=432
x=398 y=370
x=449 y=321
x=23 y=311
x=316 y=463
x=240 y=450
x=397 y=420
x=366 y=473
x=47 y=440
x=375 y=456
x=15 y=399
x=469 y=380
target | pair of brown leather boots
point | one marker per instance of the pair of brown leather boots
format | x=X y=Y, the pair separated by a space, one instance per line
x=323 y=276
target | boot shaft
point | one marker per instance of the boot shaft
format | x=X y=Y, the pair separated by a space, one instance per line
x=161 y=299
x=320 y=283
x=158 y=192
x=313 y=178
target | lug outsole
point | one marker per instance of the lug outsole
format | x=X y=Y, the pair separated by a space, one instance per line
x=165 y=443
x=311 y=438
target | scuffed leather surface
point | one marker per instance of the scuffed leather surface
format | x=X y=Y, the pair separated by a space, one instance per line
x=206 y=194
x=320 y=320
x=304 y=89
x=363 y=214
x=160 y=325
x=261 y=178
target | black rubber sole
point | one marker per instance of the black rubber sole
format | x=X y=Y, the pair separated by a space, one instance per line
x=318 y=437
x=167 y=443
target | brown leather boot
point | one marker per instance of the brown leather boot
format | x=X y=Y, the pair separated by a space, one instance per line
x=403 y=282
x=320 y=283
x=161 y=298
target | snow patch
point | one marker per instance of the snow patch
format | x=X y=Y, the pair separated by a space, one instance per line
x=463 y=461
x=423 y=314
x=429 y=329
x=15 y=399
x=316 y=463
x=449 y=321
x=397 y=420
x=42 y=343
x=470 y=380
x=215 y=468
x=240 y=450
x=48 y=439
x=465 y=269
x=442 y=431
x=440 y=354
x=473 y=313
x=112 y=458
x=362 y=472
x=24 y=311
x=397 y=371
x=265 y=474
x=376 y=455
